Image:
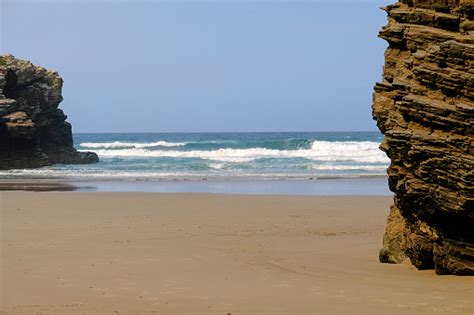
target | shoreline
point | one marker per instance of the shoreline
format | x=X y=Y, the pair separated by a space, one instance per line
x=195 y=178
x=320 y=187
x=146 y=253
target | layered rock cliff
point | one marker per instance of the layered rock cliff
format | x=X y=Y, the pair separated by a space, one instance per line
x=425 y=108
x=33 y=131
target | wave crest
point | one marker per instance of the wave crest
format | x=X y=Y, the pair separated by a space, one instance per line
x=130 y=145
x=354 y=151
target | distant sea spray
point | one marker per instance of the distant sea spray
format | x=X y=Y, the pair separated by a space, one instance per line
x=224 y=156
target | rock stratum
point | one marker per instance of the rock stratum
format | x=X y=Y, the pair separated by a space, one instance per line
x=425 y=108
x=33 y=131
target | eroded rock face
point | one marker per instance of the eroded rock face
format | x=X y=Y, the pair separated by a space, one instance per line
x=425 y=107
x=33 y=131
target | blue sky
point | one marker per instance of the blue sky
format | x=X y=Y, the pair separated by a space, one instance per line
x=192 y=66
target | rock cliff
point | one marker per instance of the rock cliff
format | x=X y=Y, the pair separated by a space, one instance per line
x=425 y=108
x=33 y=131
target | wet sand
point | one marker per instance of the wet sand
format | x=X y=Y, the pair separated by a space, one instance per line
x=150 y=253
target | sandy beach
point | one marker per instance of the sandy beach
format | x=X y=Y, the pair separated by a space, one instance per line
x=150 y=253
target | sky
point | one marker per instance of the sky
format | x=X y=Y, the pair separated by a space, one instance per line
x=205 y=66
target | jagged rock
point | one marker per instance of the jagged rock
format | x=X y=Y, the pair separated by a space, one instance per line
x=33 y=131
x=425 y=108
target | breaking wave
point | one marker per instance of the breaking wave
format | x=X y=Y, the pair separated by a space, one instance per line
x=130 y=145
x=329 y=151
x=148 y=157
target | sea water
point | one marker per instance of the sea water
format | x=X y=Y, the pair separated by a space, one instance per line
x=222 y=156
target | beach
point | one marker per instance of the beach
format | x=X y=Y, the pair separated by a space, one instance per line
x=200 y=253
x=236 y=157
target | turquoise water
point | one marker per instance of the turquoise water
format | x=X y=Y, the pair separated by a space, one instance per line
x=197 y=156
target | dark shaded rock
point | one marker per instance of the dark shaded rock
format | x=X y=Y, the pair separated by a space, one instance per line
x=425 y=108
x=33 y=131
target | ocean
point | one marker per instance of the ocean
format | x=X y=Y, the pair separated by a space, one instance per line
x=222 y=156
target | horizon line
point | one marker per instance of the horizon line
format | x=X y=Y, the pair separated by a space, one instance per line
x=138 y=132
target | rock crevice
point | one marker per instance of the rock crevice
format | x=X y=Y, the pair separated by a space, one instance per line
x=425 y=108
x=33 y=130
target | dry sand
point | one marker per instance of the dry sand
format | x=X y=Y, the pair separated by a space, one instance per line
x=139 y=253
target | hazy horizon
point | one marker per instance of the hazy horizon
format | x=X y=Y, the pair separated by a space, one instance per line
x=166 y=67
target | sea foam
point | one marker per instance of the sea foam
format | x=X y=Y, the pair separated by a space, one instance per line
x=330 y=151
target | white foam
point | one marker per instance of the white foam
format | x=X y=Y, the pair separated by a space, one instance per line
x=87 y=175
x=360 y=152
x=94 y=174
x=130 y=145
x=217 y=166
x=360 y=167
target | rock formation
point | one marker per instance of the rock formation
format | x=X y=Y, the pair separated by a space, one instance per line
x=33 y=131
x=425 y=108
